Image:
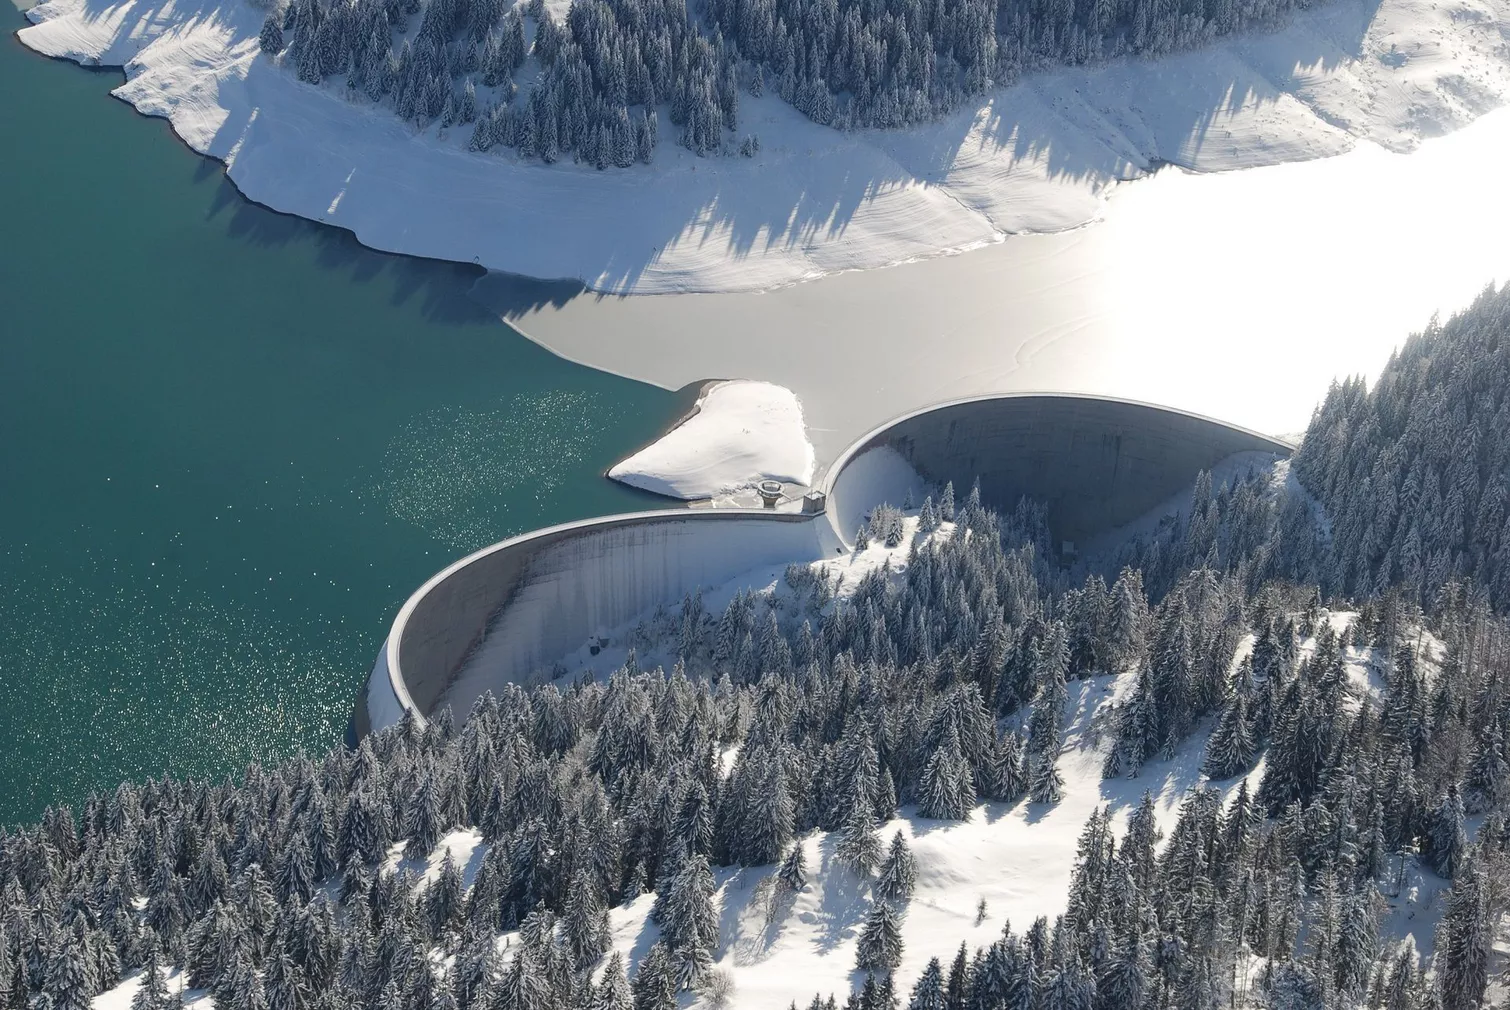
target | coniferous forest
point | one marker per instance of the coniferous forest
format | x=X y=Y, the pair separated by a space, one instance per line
x=593 y=84
x=1239 y=632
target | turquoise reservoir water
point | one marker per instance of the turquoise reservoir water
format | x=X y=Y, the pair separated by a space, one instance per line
x=231 y=443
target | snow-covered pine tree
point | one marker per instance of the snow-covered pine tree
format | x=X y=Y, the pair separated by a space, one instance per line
x=1463 y=944
x=857 y=845
x=1446 y=838
x=1233 y=745
x=422 y=818
x=928 y=991
x=654 y=984
x=613 y=991
x=584 y=924
x=690 y=925
x=295 y=872
x=898 y=873
x=1487 y=785
x=284 y=984
x=880 y=946
x=947 y=788
x=152 y=991
x=793 y=872
x=270 y=39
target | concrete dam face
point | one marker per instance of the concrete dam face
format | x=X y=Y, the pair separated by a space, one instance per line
x=1096 y=463
x=509 y=611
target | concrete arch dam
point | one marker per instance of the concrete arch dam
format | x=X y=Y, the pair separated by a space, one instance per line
x=510 y=610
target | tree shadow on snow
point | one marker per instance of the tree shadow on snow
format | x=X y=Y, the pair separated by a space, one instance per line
x=1166 y=780
x=749 y=897
x=843 y=901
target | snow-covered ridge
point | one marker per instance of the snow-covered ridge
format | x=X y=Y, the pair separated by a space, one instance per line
x=1039 y=156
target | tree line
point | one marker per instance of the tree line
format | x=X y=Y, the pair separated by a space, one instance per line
x=593 y=85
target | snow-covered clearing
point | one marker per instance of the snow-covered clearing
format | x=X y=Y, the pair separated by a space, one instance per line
x=1039 y=156
x=738 y=434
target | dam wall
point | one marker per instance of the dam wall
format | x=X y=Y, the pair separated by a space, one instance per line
x=1095 y=462
x=510 y=611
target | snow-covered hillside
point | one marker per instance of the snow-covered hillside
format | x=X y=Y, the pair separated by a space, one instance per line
x=1038 y=156
x=1006 y=864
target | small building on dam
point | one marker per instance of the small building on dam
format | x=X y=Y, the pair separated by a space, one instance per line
x=510 y=610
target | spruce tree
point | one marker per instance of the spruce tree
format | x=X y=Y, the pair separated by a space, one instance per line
x=690 y=925
x=284 y=983
x=1446 y=836
x=654 y=983
x=270 y=39
x=898 y=873
x=880 y=946
x=947 y=789
x=1463 y=946
x=1232 y=749
x=422 y=819
x=793 y=872
x=152 y=992
x=585 y=921
x=928 y=991
x=857 y=846
x=613 y=991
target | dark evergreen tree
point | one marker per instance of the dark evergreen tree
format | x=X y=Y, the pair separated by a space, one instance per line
x=152 y=992
x=1462 y=959
x=880 y=946
x=928 y=991
x=270 y=39
x=898 y=873
x=1447 y=840
x=654 y=983
x=793 y=872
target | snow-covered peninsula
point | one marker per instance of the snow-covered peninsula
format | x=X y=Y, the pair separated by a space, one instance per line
x=1038 y=156
x=738 y=434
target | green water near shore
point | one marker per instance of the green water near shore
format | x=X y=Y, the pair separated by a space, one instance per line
x=231 y=443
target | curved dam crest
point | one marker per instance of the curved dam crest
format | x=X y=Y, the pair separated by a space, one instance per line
x=510 y=610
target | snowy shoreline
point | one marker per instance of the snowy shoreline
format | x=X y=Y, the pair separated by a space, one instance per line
x=1039 y=156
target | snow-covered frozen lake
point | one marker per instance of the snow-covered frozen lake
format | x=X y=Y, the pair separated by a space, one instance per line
x=1239 y=295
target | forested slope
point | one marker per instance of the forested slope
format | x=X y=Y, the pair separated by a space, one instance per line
x=594 y=83
x=1414 y=472
x=838 y=768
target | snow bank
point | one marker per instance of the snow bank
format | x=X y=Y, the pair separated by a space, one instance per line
x=1039 y=156
x=739 y=433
